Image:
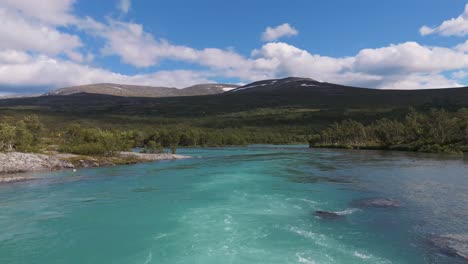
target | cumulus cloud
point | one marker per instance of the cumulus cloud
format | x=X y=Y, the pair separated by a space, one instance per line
x=20 y=69
x=284 y=30
x=36 y=51
x=124 y=5
x=136 y=47
x=462 y=47
x=459 y=75
x=404 y=66
x=453 y=27
x=56 y=12
x=32 y=26
x=409 y=57
x=19 y=32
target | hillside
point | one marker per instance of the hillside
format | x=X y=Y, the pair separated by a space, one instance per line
x=291 y=103
x=142 y=91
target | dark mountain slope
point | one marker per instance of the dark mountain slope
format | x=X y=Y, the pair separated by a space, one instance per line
x=289 y=93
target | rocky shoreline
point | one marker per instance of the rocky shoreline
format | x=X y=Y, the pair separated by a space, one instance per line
x=17 y=162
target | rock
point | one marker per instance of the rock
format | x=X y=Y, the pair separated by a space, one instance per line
x=455 y=245
x=377 y=203
x=328 y=215
x=16 y=162
x=88 y=163
x=151 y=157
x=12 y=162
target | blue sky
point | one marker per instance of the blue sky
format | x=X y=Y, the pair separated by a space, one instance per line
x=378 y=44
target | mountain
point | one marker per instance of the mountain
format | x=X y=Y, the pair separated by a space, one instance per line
x=306 y=97
x=281 y=85
x=143 y=91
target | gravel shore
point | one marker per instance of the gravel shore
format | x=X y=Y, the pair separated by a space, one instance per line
x=16 y=162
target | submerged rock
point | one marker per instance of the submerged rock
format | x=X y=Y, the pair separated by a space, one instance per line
x=377 y=203
x=328 y=215
x=455 y=245
x=12 y=179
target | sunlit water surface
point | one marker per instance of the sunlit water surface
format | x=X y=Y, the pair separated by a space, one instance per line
x=238 y=205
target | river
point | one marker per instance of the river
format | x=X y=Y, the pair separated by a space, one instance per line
x=251 y=204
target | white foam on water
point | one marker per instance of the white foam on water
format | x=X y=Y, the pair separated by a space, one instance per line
x=302 y=200
x=227 y=222
x=303 y=233
x=308 y=201
x=163 y=235
x=302 y=259
x=149 y=258
x=361 y=255
x=348 y=211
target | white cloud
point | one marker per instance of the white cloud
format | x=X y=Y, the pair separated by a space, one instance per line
x=453 y=27
x=409 y=57
x=32 y=26
x=462 y=47
x=460 y=75
x=55 y=12
x=19 y=32
x=284 y=30
x=419 y=81
x=124 y=5
x=13 y=57
x=33 y=45
x=404 y=66
x=23 y=70
x=141 y=49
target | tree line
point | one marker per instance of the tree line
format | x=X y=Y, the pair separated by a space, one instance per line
x=30 y=135
x=435 y=131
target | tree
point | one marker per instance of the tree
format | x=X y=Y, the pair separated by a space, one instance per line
x=7 y=137
x=24 y=139
x=389 y=132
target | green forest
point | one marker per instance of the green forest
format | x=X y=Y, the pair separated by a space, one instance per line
x=436 y=130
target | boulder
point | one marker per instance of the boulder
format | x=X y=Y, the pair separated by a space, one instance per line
x=328 y=215
x=455 y=245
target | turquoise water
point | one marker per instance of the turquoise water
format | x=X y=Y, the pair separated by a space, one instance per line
x=238 y=205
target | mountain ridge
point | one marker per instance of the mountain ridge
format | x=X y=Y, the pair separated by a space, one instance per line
x=126 y=90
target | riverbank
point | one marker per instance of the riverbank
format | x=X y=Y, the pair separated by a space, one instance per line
x=432 y=149
x=17 y=162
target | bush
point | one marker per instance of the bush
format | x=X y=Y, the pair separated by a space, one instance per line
x=26 y=135
x=153 y=147
x=90 y=141
x=7 y=137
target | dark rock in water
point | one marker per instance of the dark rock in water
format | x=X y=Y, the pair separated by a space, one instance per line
x=327 y=215
x=377 y=202
x=455 y=245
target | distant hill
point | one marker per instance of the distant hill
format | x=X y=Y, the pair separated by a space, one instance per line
x=143 y=91
x=324 y=101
